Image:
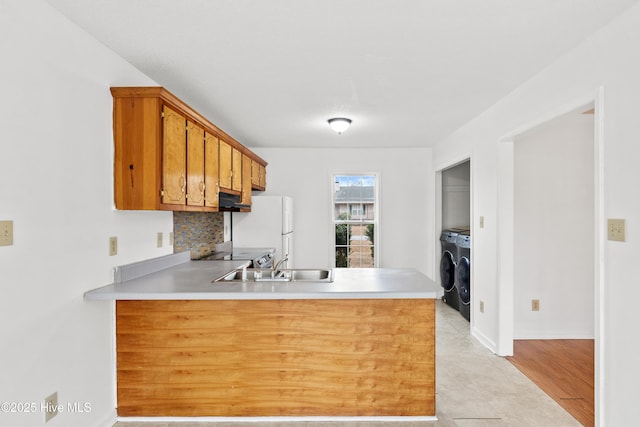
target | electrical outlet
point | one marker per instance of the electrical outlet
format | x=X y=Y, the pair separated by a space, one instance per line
x=159 y=239
x=481 y=306
x=171 y=238
x=481 y=221
x=6 y=233
x=535 y=305
x=113 y=246
x=616 y=230
x=50 y=406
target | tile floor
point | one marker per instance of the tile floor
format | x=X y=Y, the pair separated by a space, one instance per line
x=474 y=388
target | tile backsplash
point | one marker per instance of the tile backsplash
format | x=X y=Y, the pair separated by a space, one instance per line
x=198 y=232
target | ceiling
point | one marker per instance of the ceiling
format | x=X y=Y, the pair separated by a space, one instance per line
x=407 y=72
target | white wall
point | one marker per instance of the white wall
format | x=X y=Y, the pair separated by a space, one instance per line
x=609 y=60
x=553 y=237
x=456 y=196
x=56 y=185
x=406 y=191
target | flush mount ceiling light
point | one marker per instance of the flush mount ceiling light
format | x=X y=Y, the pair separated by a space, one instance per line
x=339 y=124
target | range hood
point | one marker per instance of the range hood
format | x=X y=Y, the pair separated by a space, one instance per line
x=230 y=202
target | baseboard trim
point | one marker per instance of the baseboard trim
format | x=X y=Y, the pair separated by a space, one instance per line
x=279 y=419
x=484 y=340
x=568 y=335
x=108 y=420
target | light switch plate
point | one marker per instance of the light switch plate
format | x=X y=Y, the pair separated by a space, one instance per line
x=6 y=233
x=616 y=230
x=159 y=239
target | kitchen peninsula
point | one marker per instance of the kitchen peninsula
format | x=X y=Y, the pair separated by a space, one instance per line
x=362 y=345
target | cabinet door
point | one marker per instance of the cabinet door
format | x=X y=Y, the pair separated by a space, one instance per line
x=246 y=180
x=236 y=175
x=174 y=152
x=212 y=186
x=255 y=173
x=195 y=165
x=263 y=177
x=225 y=165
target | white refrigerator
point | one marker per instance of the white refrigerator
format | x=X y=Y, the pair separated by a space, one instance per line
x=269 y=224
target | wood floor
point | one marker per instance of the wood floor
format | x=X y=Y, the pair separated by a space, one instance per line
x=564 y=369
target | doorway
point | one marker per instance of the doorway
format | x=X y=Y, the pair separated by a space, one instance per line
x=553 y=293
x=455 y=237
x=554 y=241
x=507 y=287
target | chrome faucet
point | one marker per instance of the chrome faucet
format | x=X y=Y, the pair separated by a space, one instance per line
x=277 y=265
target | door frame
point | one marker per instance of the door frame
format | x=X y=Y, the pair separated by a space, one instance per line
x=505 y=258
x=465 y=157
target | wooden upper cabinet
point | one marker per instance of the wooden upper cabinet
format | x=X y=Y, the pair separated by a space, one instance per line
x=245 y=197
x=211 y=170
x=230 y=168
x=236 y=169
x=255 y=173
x=174 y=173
x=195 y=165
x=167 y=156
x=263 y=177
x=226 y=165
x=258 y=176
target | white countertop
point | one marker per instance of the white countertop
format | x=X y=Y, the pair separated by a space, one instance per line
x=194 y=280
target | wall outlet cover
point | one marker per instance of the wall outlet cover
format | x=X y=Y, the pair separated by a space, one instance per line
x=113 y=246
x=50 y=406
x=535 y=305
x=6 y=233
x=616 y=230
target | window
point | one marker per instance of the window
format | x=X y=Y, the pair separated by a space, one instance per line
x=355 y=220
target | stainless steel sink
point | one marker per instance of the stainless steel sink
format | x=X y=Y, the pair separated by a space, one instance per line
x=312 y=275
x=281 y=275
x=236 y=276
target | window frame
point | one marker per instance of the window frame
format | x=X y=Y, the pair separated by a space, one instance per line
x=375 y=209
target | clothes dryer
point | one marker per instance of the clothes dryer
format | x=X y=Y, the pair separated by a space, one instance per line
x=448 y=259
x=463 y=273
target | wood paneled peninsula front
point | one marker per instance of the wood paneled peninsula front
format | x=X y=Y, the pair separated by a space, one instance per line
x=362 y=345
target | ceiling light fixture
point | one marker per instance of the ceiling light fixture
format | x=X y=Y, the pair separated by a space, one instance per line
x=339 y=124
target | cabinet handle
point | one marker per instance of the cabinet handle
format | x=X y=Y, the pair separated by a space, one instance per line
x=183 y=183
x=202 y=188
